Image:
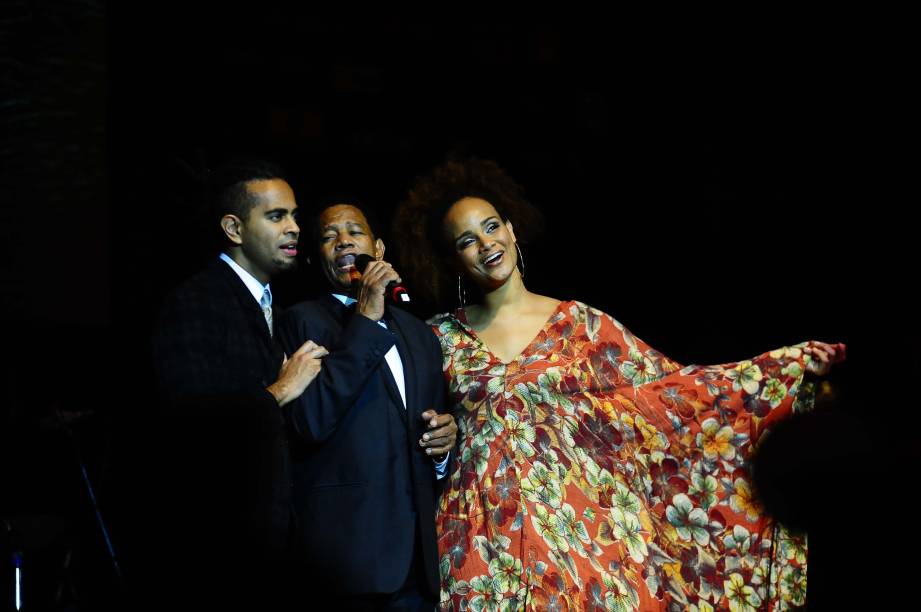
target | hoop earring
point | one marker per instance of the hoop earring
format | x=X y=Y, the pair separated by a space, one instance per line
x=461 y=293
x=520 y=260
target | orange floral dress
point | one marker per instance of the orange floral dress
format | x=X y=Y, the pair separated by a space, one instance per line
x=594 y=473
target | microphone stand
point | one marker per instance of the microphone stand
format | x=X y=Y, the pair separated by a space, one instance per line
x=65 y=426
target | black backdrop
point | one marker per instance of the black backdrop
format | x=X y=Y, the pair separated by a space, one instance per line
x=720 y=189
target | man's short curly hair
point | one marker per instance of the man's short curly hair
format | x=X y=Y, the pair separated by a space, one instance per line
x=428 y=260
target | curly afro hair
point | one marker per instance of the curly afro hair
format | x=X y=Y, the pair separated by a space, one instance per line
x=419 y=220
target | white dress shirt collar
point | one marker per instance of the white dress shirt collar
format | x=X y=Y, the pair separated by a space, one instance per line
x=254 y=286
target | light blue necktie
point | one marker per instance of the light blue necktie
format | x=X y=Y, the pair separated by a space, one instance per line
x=266 y=303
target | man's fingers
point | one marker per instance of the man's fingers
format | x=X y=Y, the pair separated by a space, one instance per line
x=441 y=432
x=439 y=420
x=307 y=346
x=380 y=272
x=439 y=450
x=437 y=442
x=433 y=419
x=311 y=350
x=442 y=418
x=373 y=272
x=440 y=446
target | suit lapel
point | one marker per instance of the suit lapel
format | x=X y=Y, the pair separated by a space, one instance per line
x=394 y=391
x=409 y=379
x=386 y=375
x=249 y=308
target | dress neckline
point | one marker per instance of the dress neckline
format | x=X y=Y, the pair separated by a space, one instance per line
x=461 y=317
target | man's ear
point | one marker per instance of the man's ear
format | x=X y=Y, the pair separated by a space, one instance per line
x=233 y=228
x=378 y=249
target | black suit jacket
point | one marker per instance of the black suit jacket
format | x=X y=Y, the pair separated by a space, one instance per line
x=225 y=488
x=364 y=490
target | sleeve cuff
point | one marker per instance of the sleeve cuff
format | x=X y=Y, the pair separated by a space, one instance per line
x=441 y=467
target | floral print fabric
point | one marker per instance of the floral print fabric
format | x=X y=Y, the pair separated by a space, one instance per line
x=594 y=473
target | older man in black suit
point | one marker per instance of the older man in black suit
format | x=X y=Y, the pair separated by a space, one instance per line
x=226 y=381
x=372 y=431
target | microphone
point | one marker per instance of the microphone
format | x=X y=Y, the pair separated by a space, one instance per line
x=396 y=292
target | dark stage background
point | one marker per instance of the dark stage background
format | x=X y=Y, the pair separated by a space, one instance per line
x=722 y=190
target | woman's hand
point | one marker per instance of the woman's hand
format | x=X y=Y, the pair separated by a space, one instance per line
x=824 y=355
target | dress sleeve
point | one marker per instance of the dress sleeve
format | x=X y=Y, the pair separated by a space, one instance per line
x=617 y=356
x=721 y=411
